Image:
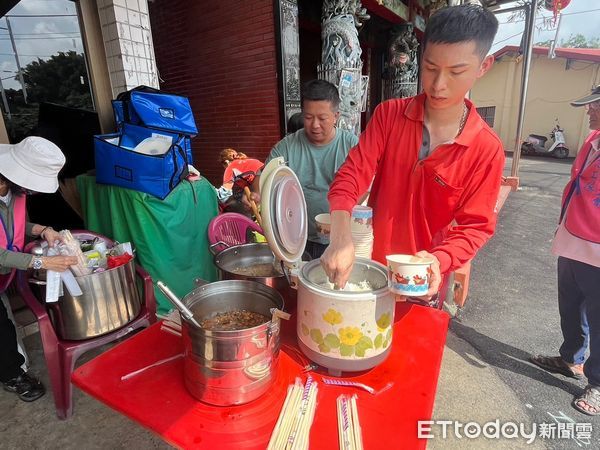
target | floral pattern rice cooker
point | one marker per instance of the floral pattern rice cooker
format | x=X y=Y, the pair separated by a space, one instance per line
x=342 y=330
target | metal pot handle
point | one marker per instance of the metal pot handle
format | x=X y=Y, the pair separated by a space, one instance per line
x=213 y=246
x=272 y=334
x=200 y=282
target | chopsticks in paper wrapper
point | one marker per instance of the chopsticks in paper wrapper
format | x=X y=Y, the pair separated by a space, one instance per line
x=292 y=429
x=349 y=430
x=72 y=248
x=149 y=366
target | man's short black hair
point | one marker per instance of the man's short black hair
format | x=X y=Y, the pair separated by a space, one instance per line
x=464 y=23
x=321 y=90
x=295 y=122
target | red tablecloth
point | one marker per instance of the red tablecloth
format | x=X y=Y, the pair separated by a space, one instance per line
x=158 y=399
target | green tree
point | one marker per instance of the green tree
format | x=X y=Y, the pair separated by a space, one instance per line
x=60 y=79
x=574 y=41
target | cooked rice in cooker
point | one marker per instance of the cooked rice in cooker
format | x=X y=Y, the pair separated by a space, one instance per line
x=361 y=286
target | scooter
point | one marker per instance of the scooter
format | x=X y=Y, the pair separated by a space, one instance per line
x=536 y=144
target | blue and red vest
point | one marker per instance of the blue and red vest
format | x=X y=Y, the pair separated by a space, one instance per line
x=581 y=197
x=14 y=239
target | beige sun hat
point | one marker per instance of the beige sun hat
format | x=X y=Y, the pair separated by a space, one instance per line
x=33 y=164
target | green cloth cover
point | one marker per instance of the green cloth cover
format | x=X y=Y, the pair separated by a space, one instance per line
x=170 y=235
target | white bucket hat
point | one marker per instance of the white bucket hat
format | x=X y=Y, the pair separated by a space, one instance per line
x=33 y=164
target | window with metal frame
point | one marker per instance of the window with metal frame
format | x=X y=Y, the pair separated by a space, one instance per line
x=488 y=113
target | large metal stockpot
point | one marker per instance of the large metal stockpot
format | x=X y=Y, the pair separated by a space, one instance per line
x=110 y=300
x=230 y=367
x=345 y=331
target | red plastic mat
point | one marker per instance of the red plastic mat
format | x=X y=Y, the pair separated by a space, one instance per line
x=158 y=399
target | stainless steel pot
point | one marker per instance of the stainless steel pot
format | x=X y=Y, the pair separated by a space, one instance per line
x=230 y=367
x=110 y=300
x=345 y=331
x=245 y=255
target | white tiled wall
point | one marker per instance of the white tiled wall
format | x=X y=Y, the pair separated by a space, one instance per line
x=128 y=44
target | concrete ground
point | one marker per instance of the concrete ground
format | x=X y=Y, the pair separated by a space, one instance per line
x=511 y=312
x=92 y=426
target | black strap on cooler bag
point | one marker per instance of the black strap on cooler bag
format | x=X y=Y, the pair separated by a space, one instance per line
x=125 y=97
x=175 y=149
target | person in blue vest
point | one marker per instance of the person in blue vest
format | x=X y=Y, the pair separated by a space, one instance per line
x=577 y=245
x=32 y=165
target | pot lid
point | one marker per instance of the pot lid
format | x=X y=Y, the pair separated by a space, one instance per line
x=283 y=210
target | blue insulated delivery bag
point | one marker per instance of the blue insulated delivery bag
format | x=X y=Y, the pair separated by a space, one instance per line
x=151 y=108
x=157 y=174
x=145 y=113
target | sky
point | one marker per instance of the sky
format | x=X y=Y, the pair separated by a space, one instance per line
x=37 y=36
x=579 y=17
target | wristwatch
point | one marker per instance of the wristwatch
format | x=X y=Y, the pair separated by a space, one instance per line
x=37 y=263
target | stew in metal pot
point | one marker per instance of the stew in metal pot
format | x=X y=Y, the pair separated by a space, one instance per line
x=258 y=270
x=238 y=319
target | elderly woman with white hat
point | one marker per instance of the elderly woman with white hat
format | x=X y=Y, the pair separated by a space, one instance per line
x=32 y=165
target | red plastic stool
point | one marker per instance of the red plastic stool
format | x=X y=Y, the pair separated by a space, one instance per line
x=61 y=354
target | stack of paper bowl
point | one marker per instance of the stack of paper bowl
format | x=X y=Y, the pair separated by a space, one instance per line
x=361 y=226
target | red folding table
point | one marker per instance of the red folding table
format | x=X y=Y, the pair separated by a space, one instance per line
x=158 y=400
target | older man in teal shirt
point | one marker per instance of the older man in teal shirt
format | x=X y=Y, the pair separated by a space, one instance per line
x=316 y=152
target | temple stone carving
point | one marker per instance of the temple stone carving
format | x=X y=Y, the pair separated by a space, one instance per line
x=332 y=8
x=402 y=63
x=290 y=57
x=341 y=62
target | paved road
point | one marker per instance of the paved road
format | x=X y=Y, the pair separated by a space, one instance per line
x=512 y=308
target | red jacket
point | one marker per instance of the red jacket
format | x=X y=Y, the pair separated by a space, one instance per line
x=239 y=166
x=581 y=197
x=415 y=202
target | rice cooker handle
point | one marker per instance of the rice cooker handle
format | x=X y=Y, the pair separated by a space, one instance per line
x=291 y=273
x=291 y=278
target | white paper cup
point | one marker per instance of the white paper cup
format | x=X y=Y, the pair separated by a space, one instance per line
x=362 y=212
x=323 y=224
x=408 y=275
x=362 y=220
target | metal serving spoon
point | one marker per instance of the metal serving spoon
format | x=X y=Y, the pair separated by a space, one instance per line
x=184 y=310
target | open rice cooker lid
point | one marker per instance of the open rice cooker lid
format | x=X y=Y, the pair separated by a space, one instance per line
x=283 y=209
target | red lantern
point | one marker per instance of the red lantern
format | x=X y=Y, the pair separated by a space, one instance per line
x=556 y=6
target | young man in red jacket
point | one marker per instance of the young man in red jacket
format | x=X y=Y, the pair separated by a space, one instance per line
x=436 y=165
x=577 y=245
